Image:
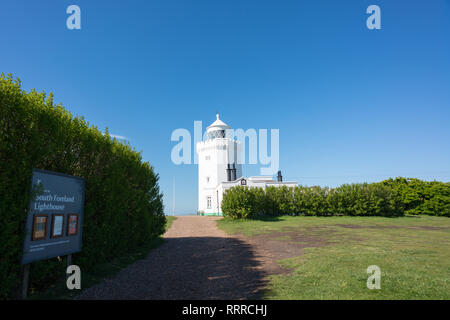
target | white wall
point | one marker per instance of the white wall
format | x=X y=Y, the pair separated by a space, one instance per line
x=213 y=157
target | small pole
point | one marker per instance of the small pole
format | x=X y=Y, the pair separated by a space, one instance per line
x=173 y=199
x=69 y=263
x=25 y=281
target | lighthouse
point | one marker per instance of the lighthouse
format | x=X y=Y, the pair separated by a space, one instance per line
x=220 y=168
x=218 y=161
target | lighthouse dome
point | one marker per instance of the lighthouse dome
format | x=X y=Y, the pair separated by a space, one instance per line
x=217 y=129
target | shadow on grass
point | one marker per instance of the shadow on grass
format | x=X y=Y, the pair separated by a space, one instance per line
x=278 y=218
x=267 y=218
x=260 y=218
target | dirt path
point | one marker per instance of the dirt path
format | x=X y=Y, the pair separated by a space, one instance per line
x=196 y=261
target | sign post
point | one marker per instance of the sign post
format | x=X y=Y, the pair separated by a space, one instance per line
x=55 y=219
x=25 y=280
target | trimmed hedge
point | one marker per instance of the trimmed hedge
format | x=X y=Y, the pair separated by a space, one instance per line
x=123 y=203
x=387 y=198
x=422 y=197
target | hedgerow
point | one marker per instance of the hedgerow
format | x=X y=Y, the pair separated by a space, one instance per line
x=123 y=203
x=393 y=197
x=422 y=197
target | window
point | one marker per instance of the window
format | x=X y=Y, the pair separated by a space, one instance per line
x=216 y=134
x=208 y=202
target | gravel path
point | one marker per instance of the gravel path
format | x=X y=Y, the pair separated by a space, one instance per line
x=196 y=261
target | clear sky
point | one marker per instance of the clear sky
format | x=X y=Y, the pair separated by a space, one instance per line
x=352 y=104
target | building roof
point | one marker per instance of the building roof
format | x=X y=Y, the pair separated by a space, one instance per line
x=259 y=179
x=218 y=124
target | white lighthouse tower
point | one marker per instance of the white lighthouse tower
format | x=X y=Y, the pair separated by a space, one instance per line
x=218 y=158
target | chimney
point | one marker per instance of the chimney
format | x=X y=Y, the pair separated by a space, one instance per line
x=279 y=177
x=233 y=172
x=228 y=172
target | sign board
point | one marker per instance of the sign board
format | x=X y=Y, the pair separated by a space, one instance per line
x=55 y=216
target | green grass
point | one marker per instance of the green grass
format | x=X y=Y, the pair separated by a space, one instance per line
x=101 y=272
x=170 y=220
x=414 y=261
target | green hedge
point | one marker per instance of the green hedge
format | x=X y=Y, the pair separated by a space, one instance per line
x=123 y=204
x=422 y=197
x=387 y=198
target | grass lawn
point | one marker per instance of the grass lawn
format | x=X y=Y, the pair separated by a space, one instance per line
x=169 y=219
x=101 y=272
x=412 y=252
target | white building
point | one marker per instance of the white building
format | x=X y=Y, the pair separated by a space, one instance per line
x=218 y=169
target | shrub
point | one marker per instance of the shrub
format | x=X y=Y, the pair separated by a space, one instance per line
x=123 y=204
x=364 y=200
x=284 y=200
x=387 y=198
x=239 y=203
x=422 y=197
x=260 y=201
x=271 y=202
x=310 y=201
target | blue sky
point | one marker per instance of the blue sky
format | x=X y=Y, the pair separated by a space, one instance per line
x=352 y=104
